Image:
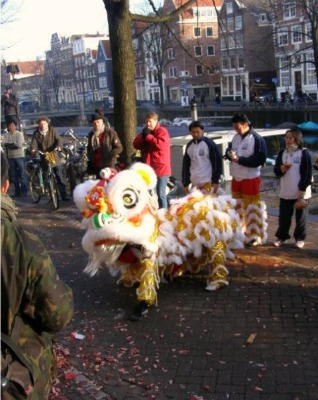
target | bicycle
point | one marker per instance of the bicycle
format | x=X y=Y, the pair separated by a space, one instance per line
x=42 y=182
x=300 y=103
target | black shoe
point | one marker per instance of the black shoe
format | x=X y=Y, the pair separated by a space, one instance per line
x=16 y=195
x=140 y=310
x=65 y=198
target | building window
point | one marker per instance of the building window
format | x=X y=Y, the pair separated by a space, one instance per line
x=239 y=41
x=241 y=62
x=238 y=84
x=198 y=51
x=232 y=62
x=296 y=34
x=231 y=42
x=283 y=37
x=102 y=82
x=262 y=17
x=229 y=8
x=225 y=63
x=289 y=9
x=285 y=72
x=101 y=68
x=209 y=31
x=210 y=51
x=230 y=24
x=199 y=69
x=197 y=32
x=172 y=72
x=238 y=22
x=149 y=76
x=171 y=53
x=308 y=31
x=311 y=72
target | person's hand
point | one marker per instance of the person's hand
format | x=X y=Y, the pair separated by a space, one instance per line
x=284 y=168
x=300 y=195
x=145 y=132
x=215 y=187
x=233 y=156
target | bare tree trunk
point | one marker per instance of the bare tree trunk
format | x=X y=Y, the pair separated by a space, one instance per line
x=125 y=115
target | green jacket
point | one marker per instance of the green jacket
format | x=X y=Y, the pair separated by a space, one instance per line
x=31 y=288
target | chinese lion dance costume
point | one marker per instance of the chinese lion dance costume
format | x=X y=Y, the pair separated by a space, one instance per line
x=126 y=233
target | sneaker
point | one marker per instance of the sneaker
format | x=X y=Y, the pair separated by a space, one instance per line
x=300 y=244
x=253 y=243
x=279 y=242
x=140 y=309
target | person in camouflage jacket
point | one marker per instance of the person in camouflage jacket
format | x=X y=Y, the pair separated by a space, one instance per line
x=35 y=302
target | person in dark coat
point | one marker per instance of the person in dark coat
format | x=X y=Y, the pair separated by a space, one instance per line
x=35 y=304
x=104 y=145
x=46 y=139
x=10 y=106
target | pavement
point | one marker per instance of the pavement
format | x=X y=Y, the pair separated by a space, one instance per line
x=256 y=339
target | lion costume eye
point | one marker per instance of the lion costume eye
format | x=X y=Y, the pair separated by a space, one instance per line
x=130 y=198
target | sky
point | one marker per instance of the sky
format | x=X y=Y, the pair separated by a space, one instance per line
x=29 y=35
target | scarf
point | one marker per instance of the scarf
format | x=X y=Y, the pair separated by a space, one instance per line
x=43 y=132
x=291 y=148
x=95 y=138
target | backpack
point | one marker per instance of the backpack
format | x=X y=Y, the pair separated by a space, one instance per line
x=17 y=379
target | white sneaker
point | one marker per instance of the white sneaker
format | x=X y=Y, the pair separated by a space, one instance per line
x=279 y=242
x=300 y=244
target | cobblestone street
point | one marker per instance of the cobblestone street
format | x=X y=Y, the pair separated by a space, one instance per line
x=256 y=339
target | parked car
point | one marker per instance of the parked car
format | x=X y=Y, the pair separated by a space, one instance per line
x=165 y=122
x=182 y=121
x=271 y=160
x=148 y=105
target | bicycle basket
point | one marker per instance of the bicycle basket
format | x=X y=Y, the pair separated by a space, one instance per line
x=50 y=158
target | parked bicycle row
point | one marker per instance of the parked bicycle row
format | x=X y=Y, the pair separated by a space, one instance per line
x=295 y=104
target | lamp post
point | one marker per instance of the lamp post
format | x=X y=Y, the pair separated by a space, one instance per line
x=194 y=110
x=13 y=69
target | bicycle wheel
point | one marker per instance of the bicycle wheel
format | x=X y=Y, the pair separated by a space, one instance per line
x=35 y=185
x=72 y=177
x=54 y=195
x=287 y=105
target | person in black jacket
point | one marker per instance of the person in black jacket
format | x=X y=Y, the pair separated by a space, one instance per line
x=202 y=161
x=9 y=103
x=103 y=146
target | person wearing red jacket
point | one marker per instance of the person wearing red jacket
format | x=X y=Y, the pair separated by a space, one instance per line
x=154 y=143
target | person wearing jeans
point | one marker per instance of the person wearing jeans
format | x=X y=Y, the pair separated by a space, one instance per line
x=154 y=144
x=13 y=142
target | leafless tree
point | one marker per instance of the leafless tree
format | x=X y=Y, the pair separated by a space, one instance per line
x=120 y=20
